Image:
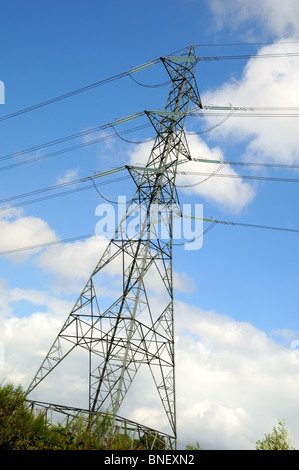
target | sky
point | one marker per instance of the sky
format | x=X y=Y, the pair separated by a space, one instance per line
x=236 y=297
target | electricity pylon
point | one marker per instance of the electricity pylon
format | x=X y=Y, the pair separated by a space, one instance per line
x=137 y=330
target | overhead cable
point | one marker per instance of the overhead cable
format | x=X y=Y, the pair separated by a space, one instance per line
x=211 y=221
x=215 y=174
x=134 y=70
x=261 y=164
x=245 y=44
x=192 y=173
x=112 y=125
x=80 y=90
x=68 y=149
x=249 y=56
x=62 y=185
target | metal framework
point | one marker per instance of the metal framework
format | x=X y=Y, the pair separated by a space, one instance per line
x=150 y=438
x=136 y=329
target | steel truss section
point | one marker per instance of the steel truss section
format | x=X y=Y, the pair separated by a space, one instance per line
x=136 y=331
x=65 y=415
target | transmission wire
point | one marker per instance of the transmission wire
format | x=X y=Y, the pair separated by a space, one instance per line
x=213 y=222
x=252 y=177
x=119 y=134
x=200 y=182
x=199 y=236
x=103 y=197
x=134 y=69
x=74 y=92
x=64 y=193
x=150 y=86
x=132 y=141
x=58 y=186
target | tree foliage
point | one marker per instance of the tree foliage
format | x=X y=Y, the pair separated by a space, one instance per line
x=277 y=440
x=193 y=446
x=21 y=429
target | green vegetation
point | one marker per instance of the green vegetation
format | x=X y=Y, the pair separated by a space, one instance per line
x=21 y=429
x=193 y=447
x=277 y=440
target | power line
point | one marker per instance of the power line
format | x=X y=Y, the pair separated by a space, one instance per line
x=64 y=139
x=221 y=163
x=251 y=114
x=119 y=134
x=249 y=56
x=259 y=164
x=83 y=89
x=225 y=175
x=64 y=193
x=43 y=245
x=246 y=44
x=80 y=90
x=159 y=85
x=211 y=220
x=264 y=227
x=134 y=70
x=199 y=160
x=68 y=149
x=209 y=175
x=246 y=112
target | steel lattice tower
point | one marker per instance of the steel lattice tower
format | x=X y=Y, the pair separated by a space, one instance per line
x=135 y=330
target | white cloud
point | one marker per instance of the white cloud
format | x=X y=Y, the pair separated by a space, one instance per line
x=17 y=231
x=232 y=387
x=273 y=16
x=68 y=176
x=233 y=382
x=183 y=282
x=5 y=309
x=228 y=193
x=26 y=340
x=71 y=263
x=264 y=83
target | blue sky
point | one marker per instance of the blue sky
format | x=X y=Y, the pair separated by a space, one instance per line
x=237 y=296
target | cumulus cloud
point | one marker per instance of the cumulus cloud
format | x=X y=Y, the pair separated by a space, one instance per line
x=269 y=83
x=71 y=263
x=68 y=176
x=230 y=376
x=233 y=381
x=11 y=296
x=229 y=193
x=18 y=231
x=274 y=16
x=25 y=339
